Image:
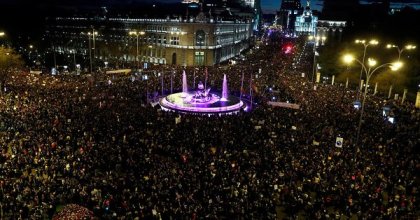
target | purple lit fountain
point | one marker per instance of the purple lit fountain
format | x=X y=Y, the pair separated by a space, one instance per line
x=184 y=85
x=201 y=100
x=225 y=90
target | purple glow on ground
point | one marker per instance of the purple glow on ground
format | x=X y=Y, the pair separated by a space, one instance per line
x=176 y=102
x=225 y=90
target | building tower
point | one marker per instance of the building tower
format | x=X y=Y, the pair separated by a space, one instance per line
x=306 y=22
x=290 y=5
x=287 y=14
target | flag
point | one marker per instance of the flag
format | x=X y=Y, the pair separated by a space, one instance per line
x=254 y=87
x=339 y=142
x=178 y=119
x=205 y=81
x=242 y=85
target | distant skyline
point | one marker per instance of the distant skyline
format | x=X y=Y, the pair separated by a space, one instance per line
x=271 y=6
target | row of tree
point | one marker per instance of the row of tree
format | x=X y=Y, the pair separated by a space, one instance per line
x=10 y=61
x=398 y=29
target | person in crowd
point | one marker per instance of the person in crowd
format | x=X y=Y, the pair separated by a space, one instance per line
x=94 y=141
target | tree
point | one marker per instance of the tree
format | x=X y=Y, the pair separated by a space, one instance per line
x=9 y=62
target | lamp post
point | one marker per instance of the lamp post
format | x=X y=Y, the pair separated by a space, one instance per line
x=316 y=40
x=323 y=38
x=2 y=34
x=172 y=76
x=369 y=70
x=93 y=34
x=365 y=46
x=137 y=34
x=74 y=59
x=312 y=38
x=400 y=50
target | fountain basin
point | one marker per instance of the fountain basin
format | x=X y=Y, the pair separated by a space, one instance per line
x=211 y=105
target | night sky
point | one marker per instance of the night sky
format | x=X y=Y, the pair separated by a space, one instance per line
x=272 y=5
x=268 y=6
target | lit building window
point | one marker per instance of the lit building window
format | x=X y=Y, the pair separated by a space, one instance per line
x=200 y=38
x=174 y=40
x=199 y=58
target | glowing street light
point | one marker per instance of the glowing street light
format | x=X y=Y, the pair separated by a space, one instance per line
x=348 y=58
x=93 y=34
x=74 y=59
x=365 y=44
x=2 y=34
x=369 y=70
x=315 y=40
x=400 y=50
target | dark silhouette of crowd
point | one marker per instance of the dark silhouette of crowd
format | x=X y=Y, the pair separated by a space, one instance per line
x=95 y=141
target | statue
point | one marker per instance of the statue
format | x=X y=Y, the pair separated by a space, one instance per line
x=201 y=95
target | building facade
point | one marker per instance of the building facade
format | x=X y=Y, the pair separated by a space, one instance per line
x=286 y=17
x=331 y=29
x=306 y=23
x=199 y=41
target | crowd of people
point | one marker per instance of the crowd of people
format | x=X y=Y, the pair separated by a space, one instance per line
x=95 y=141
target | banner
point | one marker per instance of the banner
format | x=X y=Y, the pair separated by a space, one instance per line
x=284 y=105
x=390 y=92
x=318 y=77
x=404 y=95
x=178 y=119
x=376 y=89
x=120 y=71
x=418 y=100
x=339 y=142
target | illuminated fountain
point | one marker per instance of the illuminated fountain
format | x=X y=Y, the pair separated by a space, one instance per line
x=184 y=85
x=202 y=100
x=225 y=90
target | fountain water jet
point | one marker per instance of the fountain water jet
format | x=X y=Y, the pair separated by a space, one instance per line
x=184 y=85
x=202 y=101
x=225 y=90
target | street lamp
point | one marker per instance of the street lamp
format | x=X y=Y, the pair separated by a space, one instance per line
x=74 y=59
x=323 y=38
x=2 y=34
x=93 y=34
x=365 y=44
x=30 y=53
x=312 y=38
x=369 y=70
x=400 y=50
x=137 y=34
